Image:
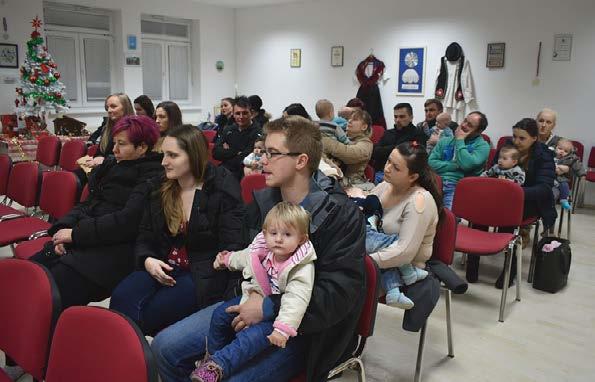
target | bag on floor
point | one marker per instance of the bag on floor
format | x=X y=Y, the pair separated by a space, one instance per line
x=552 y=264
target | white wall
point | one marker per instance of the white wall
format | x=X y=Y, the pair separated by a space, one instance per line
x=265 y=35
x=212 y=40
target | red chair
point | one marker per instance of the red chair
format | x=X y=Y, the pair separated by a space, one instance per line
x=369 y=173
x=209 y=135
x=28 y=312
x=487 y=139
x=438 y=179
x=84 y=193
x=251 y=183
x=491 y=157
x=71 y=151
x=502 y=141
x=5 y=167
x=579 y=149
x=48 y=151
x=58 y=195
x=443 y=250
x=493 y=203
x=211 y=159
x=377 y=133
x=365 y=326
x=591 y=166
x=94 y=344
x=92 y=150
x=23 y=188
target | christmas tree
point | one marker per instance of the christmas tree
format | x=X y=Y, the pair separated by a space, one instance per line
x=41 y=92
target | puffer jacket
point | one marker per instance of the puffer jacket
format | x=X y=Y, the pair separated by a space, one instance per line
x=354 y=156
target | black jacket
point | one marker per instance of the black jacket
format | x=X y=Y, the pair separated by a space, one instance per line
x=105 y=226
x=215 y=225
x=391 y=139
x=540 y=174
x=241 y=143
x=337 y=231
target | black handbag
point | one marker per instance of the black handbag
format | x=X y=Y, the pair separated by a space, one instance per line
x=552 y=267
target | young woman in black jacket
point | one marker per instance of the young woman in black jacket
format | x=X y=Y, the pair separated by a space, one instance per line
x=192 y=215
x=91 y=248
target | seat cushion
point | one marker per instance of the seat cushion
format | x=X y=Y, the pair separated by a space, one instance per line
x=4 y=377
x=530 y=220
x=478 y=242
x=591 y=176
x=20 y=229
x=26 y=249
x=5 y=210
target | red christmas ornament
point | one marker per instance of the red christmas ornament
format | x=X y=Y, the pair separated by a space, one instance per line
x=57 y=75
x=35 y=34
x=36 y=23
x=58 y=95
x=46 y=82
x=32 y=79
x=44 y=68
x=16 y=102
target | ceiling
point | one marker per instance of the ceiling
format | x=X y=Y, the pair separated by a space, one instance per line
x=246 y=3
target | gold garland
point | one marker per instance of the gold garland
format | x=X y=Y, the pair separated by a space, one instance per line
x=22 y=152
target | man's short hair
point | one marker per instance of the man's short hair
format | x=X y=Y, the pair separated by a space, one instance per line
x=243 y=102
x=324 y=108
x=301 y=136
x=483 y=120
x=434 y=101
x=514 y=152
x=404 y=105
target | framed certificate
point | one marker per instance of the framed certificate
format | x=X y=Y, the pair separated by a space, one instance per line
x=495 y=55
x=337 y=56
x=295 y=58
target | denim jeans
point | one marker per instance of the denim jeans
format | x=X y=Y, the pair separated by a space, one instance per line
x=564 y=189
x=232 y=350
x=448 y=193
x=178 y=346
x=375 y=240
x=152 y=305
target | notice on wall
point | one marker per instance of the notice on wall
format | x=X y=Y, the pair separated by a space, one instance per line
x=562 y=47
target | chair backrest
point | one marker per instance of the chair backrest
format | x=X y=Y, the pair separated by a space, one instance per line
x=490 y=159
x=211 y=159
x=591 y=163
x=209 y=135
x=369 y=173
x=5 y=167
x=48 y=150
x=95 y=344
x=367 y=318
x=59 y=192
x=489 y=202
x=502 y=141
x=445 y=238
x=24 y=183
x=487 y=138
x=92 y=150
x=29 y=309
x=579 y=149
x=377 y=133
x=71 y=151
x=84 y=193
x=251 y=183
x=438 y=179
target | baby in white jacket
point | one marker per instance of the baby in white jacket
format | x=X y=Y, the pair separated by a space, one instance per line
x=280 y=260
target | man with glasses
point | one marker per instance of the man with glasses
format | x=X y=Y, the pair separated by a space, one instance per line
x=465 y=154
x=328 y=330
x=237 y=140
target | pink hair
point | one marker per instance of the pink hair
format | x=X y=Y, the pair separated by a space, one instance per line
x=140 y=129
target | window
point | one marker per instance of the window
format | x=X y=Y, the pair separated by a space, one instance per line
x=166 y=58
x=80 y=42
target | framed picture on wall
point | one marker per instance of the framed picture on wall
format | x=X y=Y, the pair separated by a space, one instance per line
x=9 y=56
x=411 y=76
x=295 y=58
x=337 y=56
x=495 y=57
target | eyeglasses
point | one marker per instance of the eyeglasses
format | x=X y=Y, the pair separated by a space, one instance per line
x=271 y=155
x=239 y=113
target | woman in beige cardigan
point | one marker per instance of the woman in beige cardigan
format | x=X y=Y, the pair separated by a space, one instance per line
x=354 y=156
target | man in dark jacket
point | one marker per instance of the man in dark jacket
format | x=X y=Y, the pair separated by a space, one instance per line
x=404 y=131
x=328 y=330
x=237 y=140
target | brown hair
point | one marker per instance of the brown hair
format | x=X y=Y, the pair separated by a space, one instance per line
x=288 y=215
x=364 y=116
x=193 y=143
x=301 y=136
x=514 y=152
x=106 y=135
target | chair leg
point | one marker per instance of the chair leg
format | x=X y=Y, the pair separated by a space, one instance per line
x=507 y=266
x=518 y=249
x=448 y=301
x=533 y=253
x=568 y=222
x=463 y=258
x=420 y=353
x=561 y=221
x=361 y=376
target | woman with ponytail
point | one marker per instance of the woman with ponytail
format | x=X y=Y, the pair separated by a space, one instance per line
x=194 y=213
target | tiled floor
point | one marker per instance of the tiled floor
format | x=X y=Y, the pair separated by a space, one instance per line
x=545 y=337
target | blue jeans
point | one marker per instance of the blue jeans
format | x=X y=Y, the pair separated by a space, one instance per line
x=564 y=189
x=448 y=193
x=375 y=240
x=232 y=350
x=154 y=306
x=178 y=346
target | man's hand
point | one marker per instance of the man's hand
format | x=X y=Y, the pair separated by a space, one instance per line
x=219 y=263
x=277 y=339
x=63 y=236
x=434 y=137
x=60 y=250
x=157 y=269
x=225 y=146
x=249 y=313
x=460 y=134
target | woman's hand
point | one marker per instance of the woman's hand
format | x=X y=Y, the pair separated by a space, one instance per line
x=94 y=162
x=157 y=269
x=355 y=192
x=219 y=263
x=63 y=236
x=60 y=250
x=277 y=339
